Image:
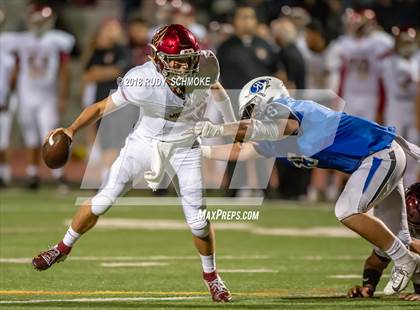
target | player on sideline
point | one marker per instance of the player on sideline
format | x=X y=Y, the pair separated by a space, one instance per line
x=306 y=134
x=43 y=77
x=156 y=145
x=376 y=263
x=7 y=72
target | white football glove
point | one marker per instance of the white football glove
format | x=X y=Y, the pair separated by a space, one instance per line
x=208 y=130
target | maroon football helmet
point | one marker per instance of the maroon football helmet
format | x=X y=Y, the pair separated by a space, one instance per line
x=175 y=51
x=412 y=201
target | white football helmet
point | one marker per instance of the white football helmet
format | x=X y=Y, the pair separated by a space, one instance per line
x=258 y=93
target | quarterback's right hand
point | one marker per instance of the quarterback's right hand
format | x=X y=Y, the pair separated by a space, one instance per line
x=207 y=130
x=67 y=131
x=359 y=291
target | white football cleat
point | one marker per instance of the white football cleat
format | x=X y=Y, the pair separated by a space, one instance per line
x=401 y=275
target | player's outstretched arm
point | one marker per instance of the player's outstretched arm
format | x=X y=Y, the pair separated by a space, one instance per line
x=88 y=116
x=236 y=151
x=249 y=129
x=372 y=272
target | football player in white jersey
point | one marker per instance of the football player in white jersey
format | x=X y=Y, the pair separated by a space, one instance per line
x=158 y=144
x=7 y=69
x=353 y=58
x=42 y=83
x=399 y=71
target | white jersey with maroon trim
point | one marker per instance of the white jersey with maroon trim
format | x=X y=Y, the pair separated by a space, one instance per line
x=400 y=77
x=316 y=66
x=356 y=61
x=7 y=64
x=166 y=116
x=400 y=83
x=39 y=62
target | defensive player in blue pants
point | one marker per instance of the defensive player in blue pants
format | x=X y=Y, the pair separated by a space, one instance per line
x=306 y=134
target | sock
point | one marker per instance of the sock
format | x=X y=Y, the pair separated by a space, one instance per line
x=70 y=237
x=63 y=248
x=208 y=262
x=398 y=252
x=32 y=170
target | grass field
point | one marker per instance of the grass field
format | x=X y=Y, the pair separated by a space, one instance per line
x=268 y=264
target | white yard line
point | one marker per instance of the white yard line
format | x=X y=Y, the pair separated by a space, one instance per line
x=133 y=264
x=261 y=270
x=320 y=257
x=161 y=224
x=37 y=301
x=350 y=276
x=339 y=232
x=175 y=201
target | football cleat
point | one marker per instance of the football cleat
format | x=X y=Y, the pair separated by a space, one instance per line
x=401 y=275
x=218 y=290
x=46 y=259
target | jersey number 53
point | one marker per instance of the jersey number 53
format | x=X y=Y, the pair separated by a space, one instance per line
x=302 y=161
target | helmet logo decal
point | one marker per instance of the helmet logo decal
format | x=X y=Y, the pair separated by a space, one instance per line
x=259 y=87
x=159 y=35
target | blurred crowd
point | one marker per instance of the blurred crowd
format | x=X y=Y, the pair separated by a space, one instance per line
x=365 y=51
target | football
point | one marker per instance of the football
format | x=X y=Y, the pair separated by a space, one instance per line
x=56 y=150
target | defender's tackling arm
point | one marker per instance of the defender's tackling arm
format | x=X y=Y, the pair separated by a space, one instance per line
x=249 y=129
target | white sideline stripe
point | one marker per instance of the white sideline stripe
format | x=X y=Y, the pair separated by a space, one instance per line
x=262 y=270
x=38 y=301
x=26 y=260
x=157 y=224
x=175 y=201
x=350 y=276
x=133 y=264
x=340 y=232
x=345 y=276
x=319 y=257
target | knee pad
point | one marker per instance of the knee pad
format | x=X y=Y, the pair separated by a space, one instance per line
x=100 y=204
x=200 y=229
x=346 y=206
x=343 y=211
